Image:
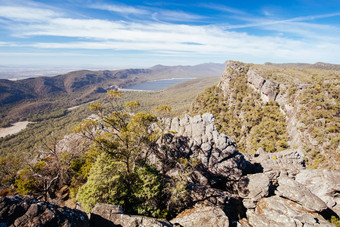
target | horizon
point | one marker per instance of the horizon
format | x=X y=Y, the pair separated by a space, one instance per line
x=124 y=34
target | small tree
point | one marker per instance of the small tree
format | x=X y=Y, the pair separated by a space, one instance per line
x=121 y=175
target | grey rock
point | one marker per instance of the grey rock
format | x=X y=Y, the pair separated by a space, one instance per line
x=210 y=196
x=294 y=191
x=269 y=90
x=202 y=215
x=252 y=188
x=255 y=80
x=27 y=211
x=287 y=160
x=105 y=215
x=323 y=183
x=277 y=212
x=197 y=137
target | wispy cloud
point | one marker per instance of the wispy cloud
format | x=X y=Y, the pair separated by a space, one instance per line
x=148 y=12
x=177 y=39
x=162 y=37
x=260 y=22
x=169 y=15
x=44 y=54
x=119 y=8
x=222 y=8
x=28 y=14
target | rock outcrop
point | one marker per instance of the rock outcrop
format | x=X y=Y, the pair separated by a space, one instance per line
x=276 y=212
x=105 y=215
x=27 y=211
x=294 y=191
x=197 y=137
x=267 y=89
x=202 y=216
x=287 y=160
x=252 y=188
x=323 y=183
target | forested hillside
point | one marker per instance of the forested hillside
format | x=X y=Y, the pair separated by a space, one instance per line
x=274 y=108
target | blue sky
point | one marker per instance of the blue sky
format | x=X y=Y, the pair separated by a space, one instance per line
x=144 y=33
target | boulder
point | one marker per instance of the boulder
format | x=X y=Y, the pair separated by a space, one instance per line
x=277 y=212
x=106 y=215
x=288 y=160
x=27 y=211
x=200 y=216
x=323 y=183
x=252 y=188
x=211 y=196
x=294 y=191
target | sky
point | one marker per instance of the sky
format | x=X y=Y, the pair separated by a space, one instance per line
x=91 y=33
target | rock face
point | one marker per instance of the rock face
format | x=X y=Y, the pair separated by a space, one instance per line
x=252 y=188
x=323 y=183
x=197 y=137
x=27 y=211
x=202 y=216
x=276 y=212
x=294 y=191
x=105 y=215
x=267 y=89
x=288 y=160
x=287 y=194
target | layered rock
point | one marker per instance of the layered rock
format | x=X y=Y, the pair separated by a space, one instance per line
x=202 y=216
x=27 y=211
x=267 y=89
x=323 y=183
x=197 y=137
x=252 y=188
x=287 y=160
x=276 y=212
x=106 y=215
x=294 y=191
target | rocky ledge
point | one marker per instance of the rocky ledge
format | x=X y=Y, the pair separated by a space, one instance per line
x=27 y=211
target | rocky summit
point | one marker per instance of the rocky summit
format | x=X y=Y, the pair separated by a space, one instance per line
x=227 y=187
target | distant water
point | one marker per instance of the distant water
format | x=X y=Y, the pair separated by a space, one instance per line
x=156 y=85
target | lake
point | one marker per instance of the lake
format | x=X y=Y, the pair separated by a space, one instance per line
x=156 y=85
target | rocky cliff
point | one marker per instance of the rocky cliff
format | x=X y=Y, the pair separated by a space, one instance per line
x=275 y=108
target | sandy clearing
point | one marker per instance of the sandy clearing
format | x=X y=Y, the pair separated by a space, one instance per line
x=17 y=127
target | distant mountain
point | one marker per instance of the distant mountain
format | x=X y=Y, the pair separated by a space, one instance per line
x=85 y=85
x=318 y=65
x=201 y=70
x=43 y=87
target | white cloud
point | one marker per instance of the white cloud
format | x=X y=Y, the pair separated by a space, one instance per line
x=169 y=15
x=26 y=14
x=176 y=39
x=44 y=54
x=119 y=8
x=222 y=8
